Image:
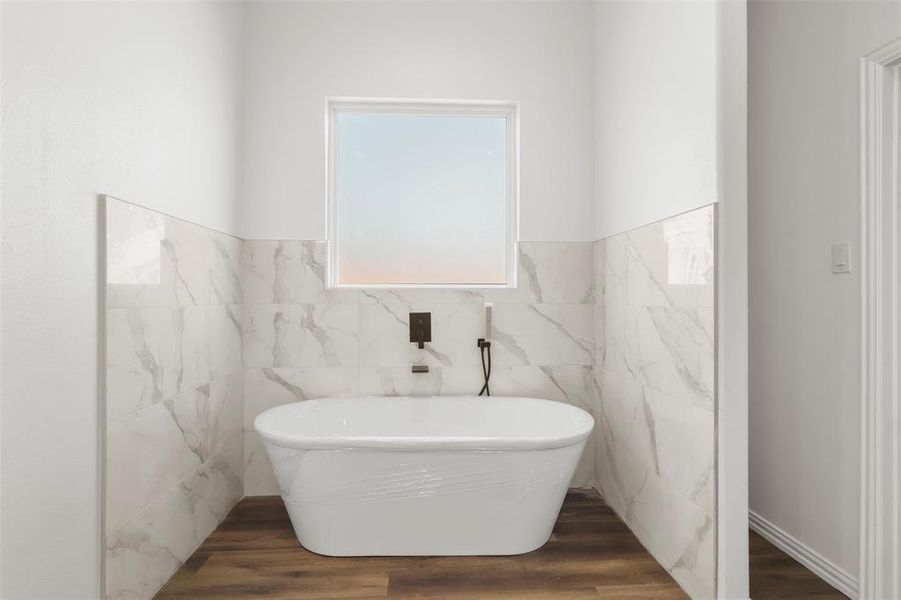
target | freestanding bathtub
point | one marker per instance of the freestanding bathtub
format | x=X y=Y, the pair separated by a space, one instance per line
x=374 y=476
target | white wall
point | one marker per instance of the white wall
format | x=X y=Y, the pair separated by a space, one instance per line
x=135 y=100
x=804 y=373
x=732 y=301
x=539 y=53
x=655 y=111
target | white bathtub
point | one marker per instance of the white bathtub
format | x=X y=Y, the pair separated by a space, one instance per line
x=373 y=476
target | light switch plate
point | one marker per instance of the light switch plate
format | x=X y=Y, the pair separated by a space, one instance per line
x=841 y=257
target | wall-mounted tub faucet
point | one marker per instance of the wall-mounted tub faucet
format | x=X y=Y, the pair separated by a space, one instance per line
x=420 y=328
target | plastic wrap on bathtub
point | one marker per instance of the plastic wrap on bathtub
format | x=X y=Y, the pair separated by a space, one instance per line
x=413 y=479
x=367 y=502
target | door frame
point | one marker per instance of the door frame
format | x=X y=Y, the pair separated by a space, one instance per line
x=880 y=193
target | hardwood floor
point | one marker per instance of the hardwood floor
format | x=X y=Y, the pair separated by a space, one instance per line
x=774 y=574
x=591 y=554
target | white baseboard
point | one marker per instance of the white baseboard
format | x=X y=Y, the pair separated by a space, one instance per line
x=821 y=566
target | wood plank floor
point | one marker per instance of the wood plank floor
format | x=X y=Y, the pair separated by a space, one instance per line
x=775 y=574
x=591 y=554
x=254 y=554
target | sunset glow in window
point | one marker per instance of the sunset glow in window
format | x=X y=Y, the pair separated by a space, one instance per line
x=421 y=194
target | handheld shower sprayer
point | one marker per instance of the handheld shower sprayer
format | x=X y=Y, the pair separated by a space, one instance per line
x=484 y=344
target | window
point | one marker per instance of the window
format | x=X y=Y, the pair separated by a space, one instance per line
x=421 y=193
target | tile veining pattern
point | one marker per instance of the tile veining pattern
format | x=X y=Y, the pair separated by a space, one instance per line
x=205 y=331
x=173 y=393
x=655 y=406
x=302 y=340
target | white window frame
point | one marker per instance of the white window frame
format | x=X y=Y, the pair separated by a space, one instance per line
x=335 y=106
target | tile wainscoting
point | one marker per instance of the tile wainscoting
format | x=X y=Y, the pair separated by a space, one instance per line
x=655 y=401
x=173 y=401
x=204 y=331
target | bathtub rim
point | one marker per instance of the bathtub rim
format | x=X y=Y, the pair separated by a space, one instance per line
x=430 y=443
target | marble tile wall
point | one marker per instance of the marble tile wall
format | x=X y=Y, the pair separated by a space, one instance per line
x=655 y=403
x=173 y=401
x=303 y=341
x=205 y=331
